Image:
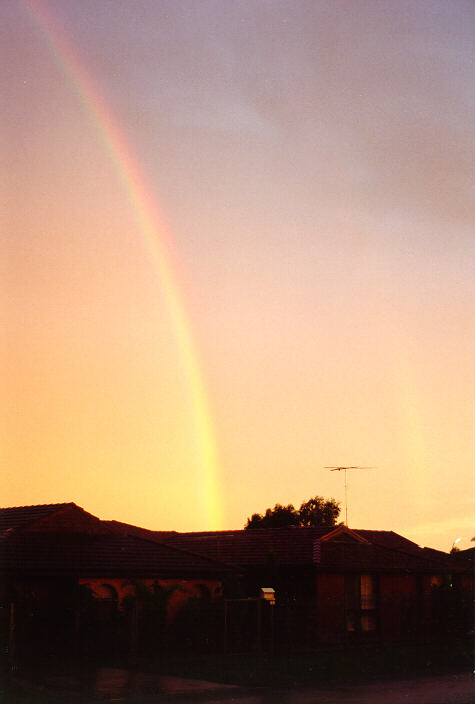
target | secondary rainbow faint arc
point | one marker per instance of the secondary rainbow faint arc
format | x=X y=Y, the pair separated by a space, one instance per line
x=153 y=231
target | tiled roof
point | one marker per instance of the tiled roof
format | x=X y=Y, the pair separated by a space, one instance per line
x=371 y=556
x=125 y=548
x=295 y=546
x=291 y=546
x=389 y=539
x=128 y=529
x=469 y=552
x=88 y=555
x=464 y=557
x=450 y=560
x=18 y=516
x=238 y=547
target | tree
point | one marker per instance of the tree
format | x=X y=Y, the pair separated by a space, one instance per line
x=319 y=512
x=314 y=512
x=277 y=517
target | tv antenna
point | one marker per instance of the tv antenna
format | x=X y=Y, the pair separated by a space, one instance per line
x=339 y=469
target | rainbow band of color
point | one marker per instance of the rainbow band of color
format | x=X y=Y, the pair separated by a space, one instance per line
x=154 y=237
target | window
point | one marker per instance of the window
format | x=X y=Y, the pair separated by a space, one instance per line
x=361 y=603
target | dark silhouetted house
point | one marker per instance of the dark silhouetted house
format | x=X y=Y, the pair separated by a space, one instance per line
x=336 y=585
x=68 y=578
x=467 y=555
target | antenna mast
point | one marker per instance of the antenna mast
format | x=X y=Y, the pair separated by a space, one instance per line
x=338 y=469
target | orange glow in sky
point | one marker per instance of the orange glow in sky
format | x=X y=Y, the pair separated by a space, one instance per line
x=311 y=300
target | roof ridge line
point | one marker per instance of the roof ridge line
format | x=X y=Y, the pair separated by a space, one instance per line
x=180 y=550
x=419 y=555
x=55 y=505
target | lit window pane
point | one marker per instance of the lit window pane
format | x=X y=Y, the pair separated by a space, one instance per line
x=368 y=592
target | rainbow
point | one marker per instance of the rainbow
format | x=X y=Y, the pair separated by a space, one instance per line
x=154 y=234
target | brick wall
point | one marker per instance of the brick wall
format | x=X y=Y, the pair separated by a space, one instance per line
x=330 y=594
x=400 y=606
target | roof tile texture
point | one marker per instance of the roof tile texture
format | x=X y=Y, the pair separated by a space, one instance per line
x=87 y=555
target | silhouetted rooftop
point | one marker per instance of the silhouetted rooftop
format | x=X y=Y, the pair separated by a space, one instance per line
x=297 y=546
x=17 y=516
x=66 y=538
x=57 y=554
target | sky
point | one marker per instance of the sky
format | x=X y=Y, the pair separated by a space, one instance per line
x=237 y=247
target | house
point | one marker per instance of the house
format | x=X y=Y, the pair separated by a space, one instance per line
x=339 y=585
x=466 y=555
x=72 y=583
x=69 y=580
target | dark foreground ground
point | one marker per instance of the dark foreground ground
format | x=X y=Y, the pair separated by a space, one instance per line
x=437 y=674
x=441 y=689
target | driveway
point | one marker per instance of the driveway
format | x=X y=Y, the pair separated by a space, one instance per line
x=113 y=685
x=447 y=689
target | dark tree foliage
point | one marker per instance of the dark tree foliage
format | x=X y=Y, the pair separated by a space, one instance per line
x=314 y=512
x=277 y=517
x=319 y=512
x=150 y=604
